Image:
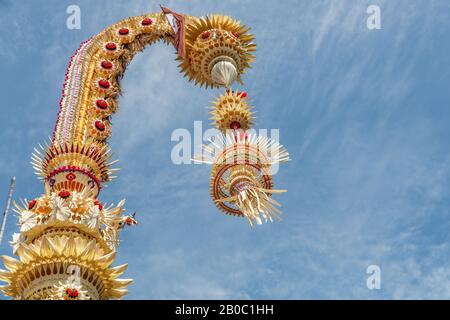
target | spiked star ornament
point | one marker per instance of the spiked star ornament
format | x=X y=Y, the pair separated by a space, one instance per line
x=218 y=49
x=231 y=111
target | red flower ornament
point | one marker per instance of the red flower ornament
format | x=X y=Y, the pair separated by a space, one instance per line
x=72 y=293
x=106 y=64
x=64 y=194
x=102 y=104
x=111 y=46
x=104 y=83
x=124 y=31
x=147 y=22
x=100 y=125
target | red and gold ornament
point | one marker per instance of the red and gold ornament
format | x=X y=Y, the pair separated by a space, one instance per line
x=100 y=125
x=64 y=194
x=111 y=46
x=71 y=176
x=147 y=22
x=123 y=31
x=72 y=293
x=106 y=64
x=103 y=83
x=101 y=104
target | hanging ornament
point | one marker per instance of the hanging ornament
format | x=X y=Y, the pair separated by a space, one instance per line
x=214 y=56
x=241 y=177
x=231 y=111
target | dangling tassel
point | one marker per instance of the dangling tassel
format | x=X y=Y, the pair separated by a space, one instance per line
x=255 y=203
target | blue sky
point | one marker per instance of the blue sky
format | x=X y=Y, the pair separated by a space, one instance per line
x=364 y=114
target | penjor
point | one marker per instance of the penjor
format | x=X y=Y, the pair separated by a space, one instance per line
x=68 y=238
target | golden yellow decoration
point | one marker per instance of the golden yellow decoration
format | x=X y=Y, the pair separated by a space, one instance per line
x=212 y=40
x=48 y=259
x=231 y=111
x=241 y=174
x=68 y=238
